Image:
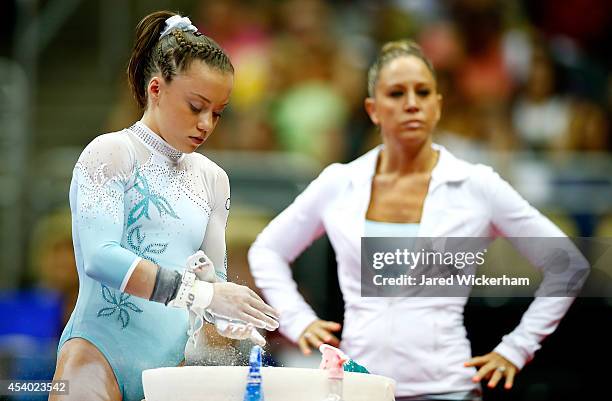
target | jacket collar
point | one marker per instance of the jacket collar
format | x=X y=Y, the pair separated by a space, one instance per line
x=448 y=169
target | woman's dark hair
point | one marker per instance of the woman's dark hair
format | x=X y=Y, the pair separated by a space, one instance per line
x=390 y=51
x=169 y=55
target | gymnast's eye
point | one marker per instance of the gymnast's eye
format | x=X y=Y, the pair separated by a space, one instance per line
x=194 y=109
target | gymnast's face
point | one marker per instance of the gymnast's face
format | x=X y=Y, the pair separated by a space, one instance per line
x=186 y=110
x=406 y=104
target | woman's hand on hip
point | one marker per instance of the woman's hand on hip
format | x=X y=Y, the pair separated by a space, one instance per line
x=317 y=333
x=493 y=367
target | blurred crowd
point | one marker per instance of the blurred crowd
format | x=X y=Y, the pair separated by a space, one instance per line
x=517 y=77
x=532 y=76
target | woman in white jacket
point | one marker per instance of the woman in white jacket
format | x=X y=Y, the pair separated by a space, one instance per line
x=406 y=187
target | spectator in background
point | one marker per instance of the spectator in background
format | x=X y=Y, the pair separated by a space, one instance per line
x=483 y=76
x=52 y=263
x=546 y=119
x=589 y=129
x=309 y=111
x=542 y=115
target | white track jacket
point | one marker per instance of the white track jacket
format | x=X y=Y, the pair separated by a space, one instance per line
x=419 y=342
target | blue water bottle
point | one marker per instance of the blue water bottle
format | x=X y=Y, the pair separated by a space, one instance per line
x=254 y=391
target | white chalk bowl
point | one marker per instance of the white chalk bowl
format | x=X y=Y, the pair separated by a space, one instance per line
x=227 y=383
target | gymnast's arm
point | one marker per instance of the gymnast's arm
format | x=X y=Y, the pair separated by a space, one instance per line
x=214 y=239
x=97 y=192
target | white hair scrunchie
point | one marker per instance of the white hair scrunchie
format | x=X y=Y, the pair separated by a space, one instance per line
x=178 y=22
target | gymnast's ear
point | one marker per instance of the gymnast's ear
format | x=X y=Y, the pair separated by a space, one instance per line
x=154 y=88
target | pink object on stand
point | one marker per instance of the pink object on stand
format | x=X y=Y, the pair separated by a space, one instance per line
x=333 y=360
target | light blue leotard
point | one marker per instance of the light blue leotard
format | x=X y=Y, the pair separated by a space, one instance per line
x=134 y=197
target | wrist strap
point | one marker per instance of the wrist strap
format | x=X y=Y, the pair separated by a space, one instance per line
x=193 y=293
x=167 y=283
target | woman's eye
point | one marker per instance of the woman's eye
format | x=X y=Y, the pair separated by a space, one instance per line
x=217 y=114
x=194 y=108
x=423 y=92
x=396 y=93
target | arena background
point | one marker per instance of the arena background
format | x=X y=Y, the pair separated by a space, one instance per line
x=527 y=88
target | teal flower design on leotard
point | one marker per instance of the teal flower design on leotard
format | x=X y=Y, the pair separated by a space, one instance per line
x=120 y=305
x=136 y=242
x=142 y=208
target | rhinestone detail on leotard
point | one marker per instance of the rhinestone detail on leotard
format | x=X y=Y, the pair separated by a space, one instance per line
x=155 y=141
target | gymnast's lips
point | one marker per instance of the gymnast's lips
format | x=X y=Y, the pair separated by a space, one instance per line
x=196 y=140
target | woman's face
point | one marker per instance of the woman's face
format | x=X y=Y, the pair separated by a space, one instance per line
x=186 y=110
x=406 y=104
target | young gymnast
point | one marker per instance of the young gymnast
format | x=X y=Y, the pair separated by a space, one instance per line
x=143 y=201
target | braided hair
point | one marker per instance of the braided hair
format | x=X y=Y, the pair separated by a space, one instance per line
x=169 y=55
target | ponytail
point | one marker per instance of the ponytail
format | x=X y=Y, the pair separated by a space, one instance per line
x=169 y=54
x=147 y=36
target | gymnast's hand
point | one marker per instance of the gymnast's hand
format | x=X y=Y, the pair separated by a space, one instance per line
x=239 y=331
x=317 y=333
x=493 y=367
x=235 y=301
